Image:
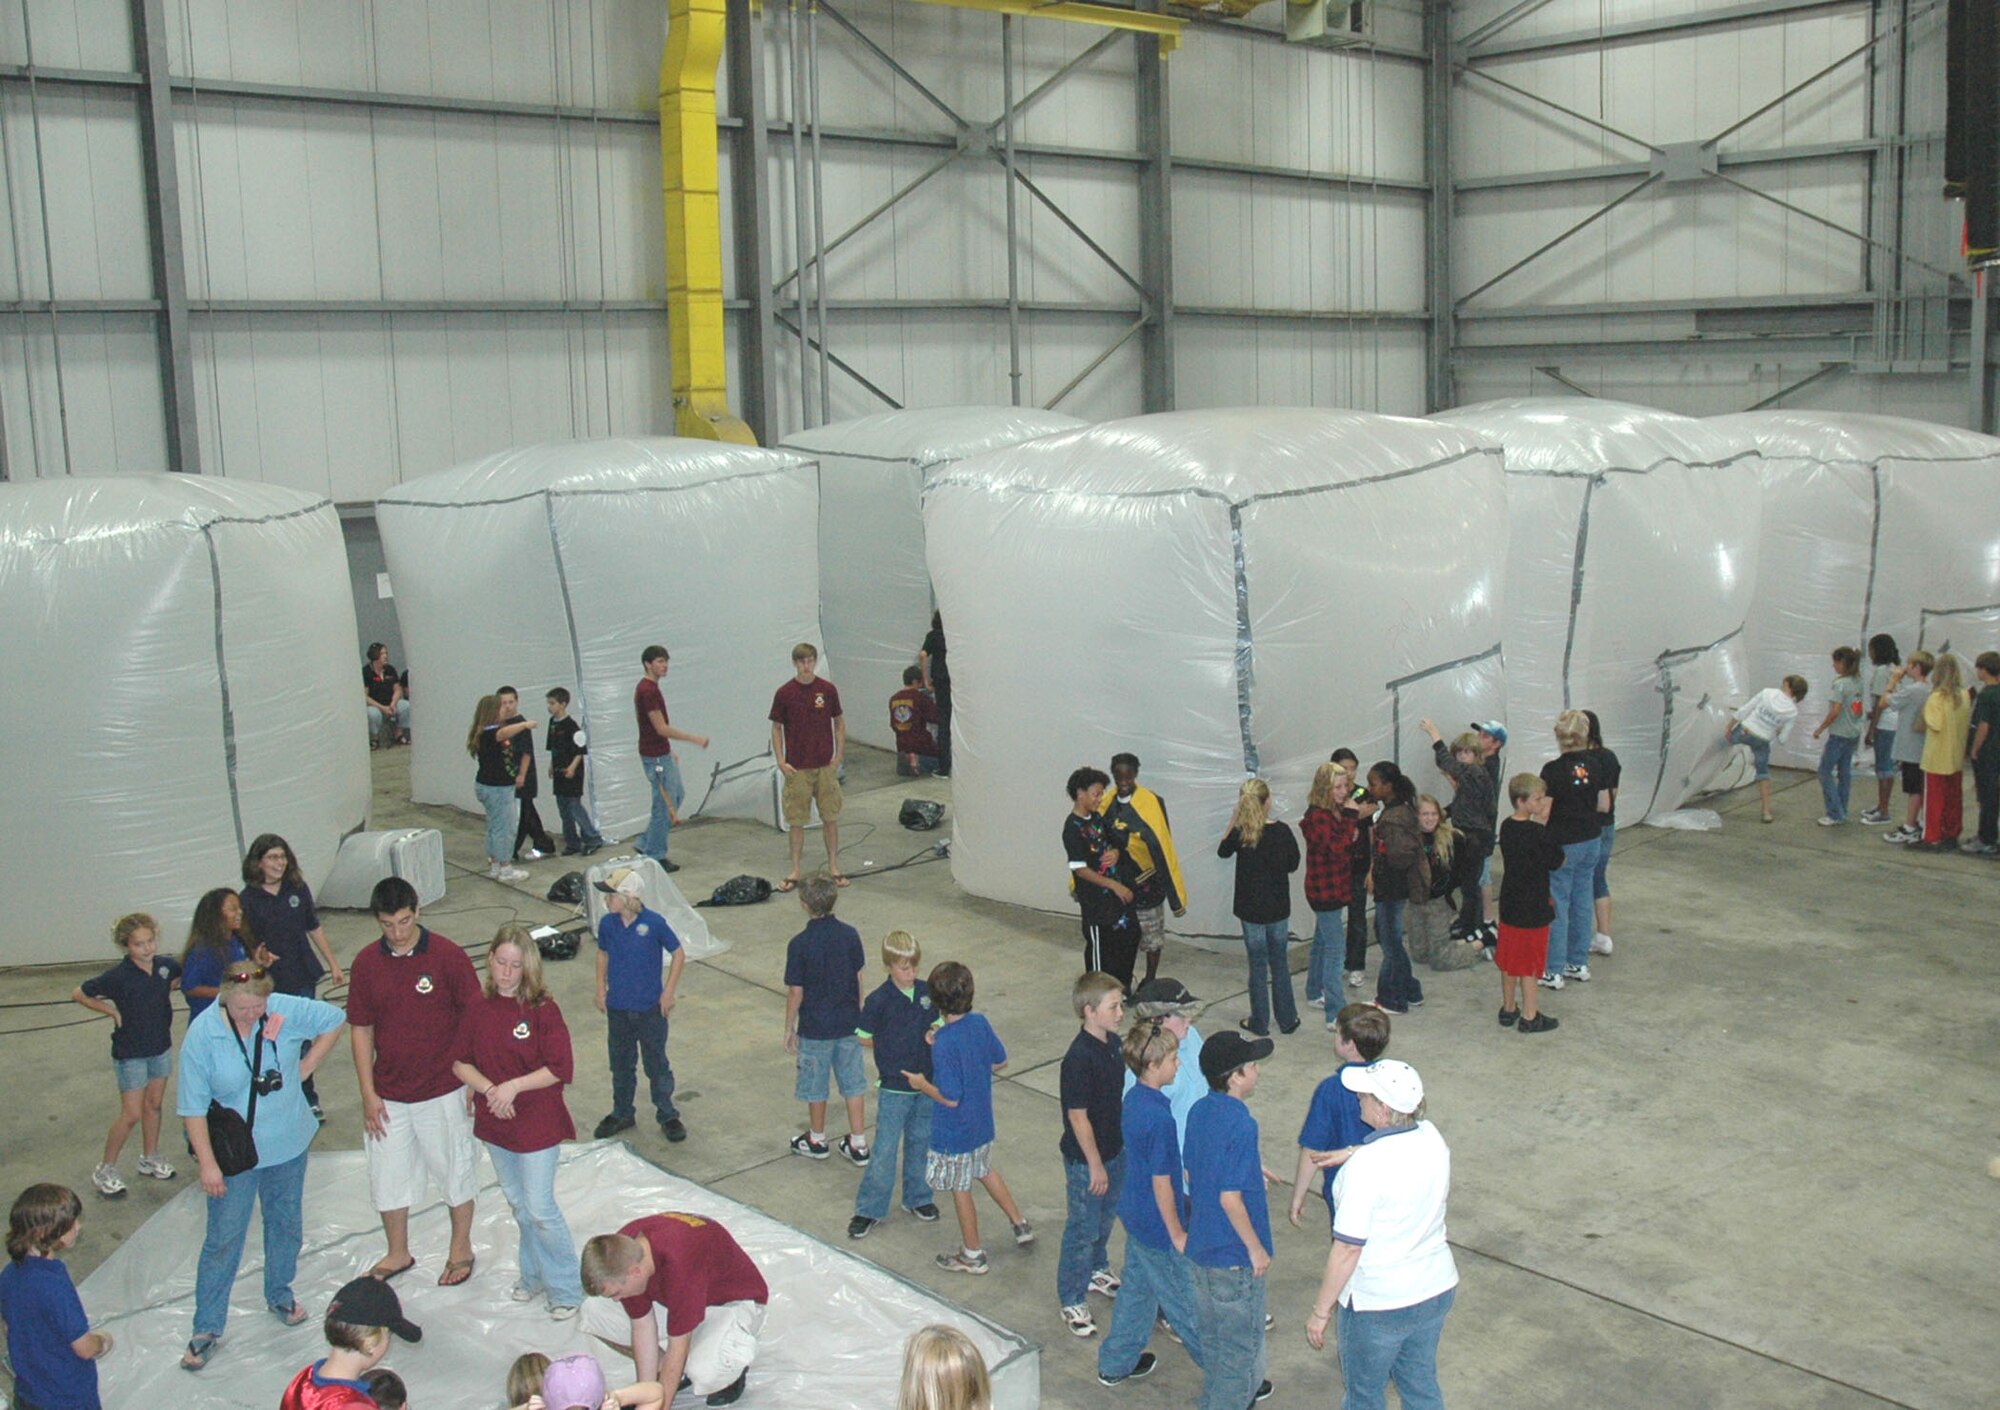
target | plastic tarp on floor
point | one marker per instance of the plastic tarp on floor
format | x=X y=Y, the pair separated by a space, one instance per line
x=661 y=897
x=182 y=658
x=833 y=1338
x=875 y=589
x=1220 y=592
x=558 y=564
x=1631 y=560
x=1871 y=524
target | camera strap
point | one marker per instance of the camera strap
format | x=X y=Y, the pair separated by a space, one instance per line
x=253 y=1058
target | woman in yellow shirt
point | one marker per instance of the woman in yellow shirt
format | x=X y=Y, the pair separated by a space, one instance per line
x=1946 y=716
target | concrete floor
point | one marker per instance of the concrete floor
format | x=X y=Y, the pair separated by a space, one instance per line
x=1749 y=1170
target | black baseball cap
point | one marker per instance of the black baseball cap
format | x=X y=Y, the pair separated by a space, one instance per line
x=371 y=1302
x=1169 y=992
x=1227 y=1051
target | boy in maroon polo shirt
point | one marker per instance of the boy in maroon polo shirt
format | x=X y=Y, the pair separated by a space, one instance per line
x=712 y=1295
x=808 y=736
x=406 y=996
x=911 y=715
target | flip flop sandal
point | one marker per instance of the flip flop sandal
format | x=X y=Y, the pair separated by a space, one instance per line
x=842 y=880
x=381 y=1277
x=199 y=1350
x=446 y=1280
x=790 y=883
x=290 y=1316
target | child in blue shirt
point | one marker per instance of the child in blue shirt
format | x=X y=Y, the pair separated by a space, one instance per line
x=965 y=1053
x=1333 y=1125
x=49 y=1341
x=896 y=1022
x=137 y=996
x=823 y=965
x=1156 y=1281
x=632 y=944
x=1229 y=1224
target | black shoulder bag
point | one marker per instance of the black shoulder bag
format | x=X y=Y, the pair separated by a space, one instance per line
x=230 y=1138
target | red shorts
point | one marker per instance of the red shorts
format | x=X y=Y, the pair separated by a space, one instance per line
x=1522 y=952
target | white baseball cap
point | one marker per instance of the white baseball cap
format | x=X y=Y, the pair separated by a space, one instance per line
x=626 y=881
x=1394 y=1084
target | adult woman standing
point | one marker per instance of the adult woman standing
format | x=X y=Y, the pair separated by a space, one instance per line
x=242 y=1049
x=279 y=907
x=514 y=1053
x=1396 y=873
x=1390 y=1277
x=1575 y=781
x=487 y=741
x=1266 y=853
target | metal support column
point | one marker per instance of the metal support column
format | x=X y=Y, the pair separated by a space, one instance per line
x=164 y=238
x=1442 y=383
x=1979 y=414
x=1013 y=215
x=749 y=166
x=1156 y=225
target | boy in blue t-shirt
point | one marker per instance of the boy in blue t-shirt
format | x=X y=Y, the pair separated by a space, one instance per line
x=1333 y=1125
x=1229 y=1224
x=49 y=1341
x=632 y=944
x=1156 y=1281
x=895 y=1021
x=965 y=1053
x=823 y=965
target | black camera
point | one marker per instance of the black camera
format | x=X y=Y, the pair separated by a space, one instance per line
x=268 y=1083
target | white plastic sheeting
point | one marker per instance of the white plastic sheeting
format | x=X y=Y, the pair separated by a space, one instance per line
x=1219 y=592
x=558 y=564
x=416 y=854
x=832 y=1340
x=1631 y=561
x=875 y=588
x=182 y=657
x=1871 y=524
x=660 y=895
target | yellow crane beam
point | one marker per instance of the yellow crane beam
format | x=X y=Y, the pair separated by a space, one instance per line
x=1164 y=27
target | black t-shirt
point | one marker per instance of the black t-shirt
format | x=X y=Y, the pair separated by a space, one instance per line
x=563 y=750
x=933 y=647
x=145 y=1011
x=522 y=746
x=495 y=760
x=1608 y=771
x=1093 y=1082
x=1527 y=855
x=1573 y=783
x=1263 y=873
x=381 y=688
x=1086 y=840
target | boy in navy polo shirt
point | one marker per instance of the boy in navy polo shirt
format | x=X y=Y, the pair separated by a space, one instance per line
x=632 y=943
x=1093 y=1149
x=1229 y=1224
x=1333 y=1125
x=136 y=995
x=894 y=1022
x=1156 y=1282
x=823 y=967
x=50 y=1346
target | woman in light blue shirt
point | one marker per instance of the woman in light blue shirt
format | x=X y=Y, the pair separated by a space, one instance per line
x=250 y=1038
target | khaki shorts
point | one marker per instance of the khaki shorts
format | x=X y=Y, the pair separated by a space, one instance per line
x=805 y=788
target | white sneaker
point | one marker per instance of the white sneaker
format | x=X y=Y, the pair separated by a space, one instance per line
x=562 y=1314
x=1550 y=981
x=521 y=1292
x=1831 y=822
x=531 y=855
x=1079 y=1321
x=108 y=1181
x=1356 y=977
x=1576 y=973
x=1874 y=817
x=1315 y=1003
x=1600 y=944
x=155 y=1168
x=1105 y=1283
x=1901 y=835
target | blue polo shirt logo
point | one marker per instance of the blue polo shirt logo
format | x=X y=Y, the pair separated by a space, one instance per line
x=642 y=929
x=521 y=1030
x=293 y=901
x=424 y=985
x=923 y=1001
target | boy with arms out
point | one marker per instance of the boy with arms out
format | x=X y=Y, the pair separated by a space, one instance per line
x=1093 y=1149
x=896 y=1022
x=823 y=965
x=632 y=944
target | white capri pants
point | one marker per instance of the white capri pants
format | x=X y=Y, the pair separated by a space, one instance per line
x=724 y=1343
x=433 y=1139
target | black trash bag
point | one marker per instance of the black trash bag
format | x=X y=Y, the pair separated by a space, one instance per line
x=920 y=814
x=560 y=946
x=744 y=890
x=568 y=889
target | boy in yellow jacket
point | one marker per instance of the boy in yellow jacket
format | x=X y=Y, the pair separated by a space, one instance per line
x=1139 y=819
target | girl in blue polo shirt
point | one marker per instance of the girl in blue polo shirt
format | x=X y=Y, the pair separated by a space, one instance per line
x=49 y=1340
x=136 y=994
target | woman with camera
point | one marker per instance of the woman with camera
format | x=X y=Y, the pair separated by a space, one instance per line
x=247 y=1119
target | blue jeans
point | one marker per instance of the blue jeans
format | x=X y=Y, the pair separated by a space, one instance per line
x=903 y=1117
x=1396 y=985
x=1156 y=1281
x=1400 y=1344
x=1600 y=882
x=1086 y=1240
x=1329 y=947
x=1229 y=1305
x=498 y=801
x=1885 y=753
x=281 y=1190
x=632 y=1036
x=1576 y=917
x=1760 y=748
x=379 y=724
x=579 y=830
x=663 y=782
x=548 y=1253
x=1270 y=974
x=1836 y=774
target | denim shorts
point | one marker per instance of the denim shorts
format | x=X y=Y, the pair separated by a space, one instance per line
x=1885 y=749
x=821 y=1058
x=1760 y=748
x=135 y=1073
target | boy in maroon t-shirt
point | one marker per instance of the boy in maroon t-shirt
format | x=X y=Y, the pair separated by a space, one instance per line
x=808 y=737
x=656 y=756
x=911 y=715
x=712 y=1295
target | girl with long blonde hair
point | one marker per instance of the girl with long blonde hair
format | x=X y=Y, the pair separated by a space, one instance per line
x=1266 y=853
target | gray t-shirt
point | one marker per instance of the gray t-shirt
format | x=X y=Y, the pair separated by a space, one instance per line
x=1878 y=681
x=1907 y=700
x=1845 y=695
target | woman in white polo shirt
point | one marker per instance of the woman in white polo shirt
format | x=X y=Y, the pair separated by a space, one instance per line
x=1390 y=1277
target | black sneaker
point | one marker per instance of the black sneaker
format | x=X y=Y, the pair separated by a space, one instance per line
x=1289 y=1028
x=859 y=1226
x=927 y=1213
x=666 y=865
x=732 y=1392
x=857 y=1154
x=1540 y=1023
x=1144 y=1368
x=612 y=1125
x=1509 y=1017
x=803 y=1144
x=674 y=1131
x=1263 y=1393
x=591 y=848
x=572 y=851
x=1252 y=1029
